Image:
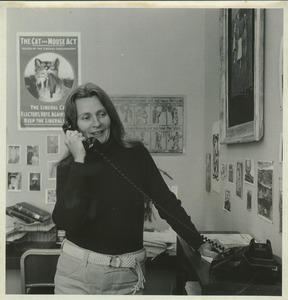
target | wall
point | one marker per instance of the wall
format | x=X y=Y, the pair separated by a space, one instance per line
x=159 y=52
x=127 y=52
x=267 y=149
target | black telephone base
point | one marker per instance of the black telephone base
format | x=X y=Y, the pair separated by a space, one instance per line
x=255 y=260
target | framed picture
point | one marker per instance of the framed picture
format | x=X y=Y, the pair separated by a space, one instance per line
x=241 y=55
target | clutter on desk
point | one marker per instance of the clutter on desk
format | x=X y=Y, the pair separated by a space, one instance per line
x=157 y=242
x=228 y=240
x=23 y=218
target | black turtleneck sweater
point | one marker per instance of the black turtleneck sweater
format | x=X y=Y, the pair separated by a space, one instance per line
x=102 y=212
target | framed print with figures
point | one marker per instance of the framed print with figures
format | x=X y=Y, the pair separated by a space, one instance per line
x=241 y=54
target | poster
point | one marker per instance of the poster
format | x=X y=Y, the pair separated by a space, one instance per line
x=265 y=187
x=157 y=121
x=48 y=68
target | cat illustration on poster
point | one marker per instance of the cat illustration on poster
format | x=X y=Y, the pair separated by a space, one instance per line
x=49 y=77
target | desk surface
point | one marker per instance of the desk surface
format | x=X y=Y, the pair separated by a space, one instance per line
x=212 y=285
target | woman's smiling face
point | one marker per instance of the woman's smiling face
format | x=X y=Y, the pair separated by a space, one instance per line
x=93 y=119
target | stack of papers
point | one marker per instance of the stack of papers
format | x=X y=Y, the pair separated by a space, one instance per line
x=157 y=242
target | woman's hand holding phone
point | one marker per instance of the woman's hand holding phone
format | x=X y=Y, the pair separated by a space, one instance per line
x=74 y=141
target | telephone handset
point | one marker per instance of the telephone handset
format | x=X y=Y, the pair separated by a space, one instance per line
x=90 y=143
x=94 y=144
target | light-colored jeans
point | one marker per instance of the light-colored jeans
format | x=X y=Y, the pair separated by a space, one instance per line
x=78 y=276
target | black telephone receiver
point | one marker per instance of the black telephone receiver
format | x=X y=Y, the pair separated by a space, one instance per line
x=89 y=144
x=94 y=144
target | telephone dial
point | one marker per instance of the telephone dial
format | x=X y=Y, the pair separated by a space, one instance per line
x=232 y=261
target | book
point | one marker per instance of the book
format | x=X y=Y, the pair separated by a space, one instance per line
x=32 y=211
x=43 y=227
x=13 y=213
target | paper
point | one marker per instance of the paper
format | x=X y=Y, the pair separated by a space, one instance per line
x=229 y=240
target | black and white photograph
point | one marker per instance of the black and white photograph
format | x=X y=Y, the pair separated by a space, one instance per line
x=231 y=173
x=51 y=170
x=34 y=181
x=249 y=199
x=146 y=142
x=50 y=196
x=249 y=171
x=14 y=154
x=239 y=179
x=33 y=154
x=227 y=201
x=265 y=189
x=14 y=181
x=52 y=144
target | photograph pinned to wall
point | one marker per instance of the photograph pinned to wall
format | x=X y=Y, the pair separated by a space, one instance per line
x=14 y=181
x=265 y=190
x=14 y=154
x=239 y=179
x=242 y=69
x=33 y=155
x=48 y=68
x=223 y=171
x=50 y=196
x=231 y=173
x=227 y=201
x=208 y=172
x=53 y=144
x=52 y=170
x=249 y=171
x=249 y=199
x=34 y=181
x=215 y=158
x=157 y=121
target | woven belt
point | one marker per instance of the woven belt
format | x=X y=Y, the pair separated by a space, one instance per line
x=125 y=260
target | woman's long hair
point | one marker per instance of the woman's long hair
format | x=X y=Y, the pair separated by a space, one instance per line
x=117 y=131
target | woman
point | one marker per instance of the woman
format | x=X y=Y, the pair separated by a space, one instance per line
x=100 y=209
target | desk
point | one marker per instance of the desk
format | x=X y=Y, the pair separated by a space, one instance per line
x=192 y=267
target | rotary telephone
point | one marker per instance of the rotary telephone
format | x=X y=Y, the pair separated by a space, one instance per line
x=229 y=261
x=253 y=261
